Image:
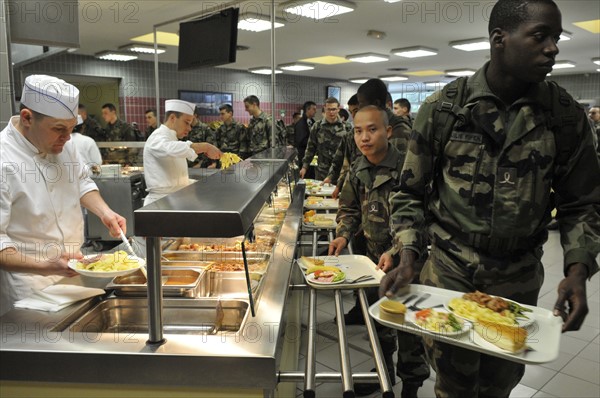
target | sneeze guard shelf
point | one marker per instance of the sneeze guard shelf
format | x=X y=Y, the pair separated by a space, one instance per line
x=223 y=205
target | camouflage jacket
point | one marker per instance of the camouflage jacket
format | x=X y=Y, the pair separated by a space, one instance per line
x=401 y=130
x=258 y=135
x=323 y=141
x=346 y=151
x=229 y=137
x=364 y=201
x=92 y=129
x=120 y=131
x=149 y=130
x=201 y=133
x=495 y=177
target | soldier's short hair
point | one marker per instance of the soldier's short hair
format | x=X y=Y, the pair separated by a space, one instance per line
x=81 y=106
x=374 y=92
x=252 y=99
x=344 y=114
x=307 y=105
x=353 y=100
x=510 y=14
x=403 y=102
x=151 y=110
x=169 y=113
x=382 y=113
x=111 y=107
x=227 y=108
x=332 y=100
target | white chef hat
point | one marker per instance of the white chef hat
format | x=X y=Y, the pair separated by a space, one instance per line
x=50 y=96
x=175 y=105
x=79 y=120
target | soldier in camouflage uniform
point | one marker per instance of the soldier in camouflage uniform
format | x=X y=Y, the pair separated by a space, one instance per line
x=118 y=130
x=325 y=137
x=90 y=126
x=258 y=132
x=201 y=132
x=364 y=203
x=229 y=134
x=490 y=197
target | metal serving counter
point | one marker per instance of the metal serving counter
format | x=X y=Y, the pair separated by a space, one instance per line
x=44 y=347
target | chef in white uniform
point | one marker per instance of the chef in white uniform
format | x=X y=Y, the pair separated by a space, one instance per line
x=165 y=166
x=42 y=185
x=86 y=147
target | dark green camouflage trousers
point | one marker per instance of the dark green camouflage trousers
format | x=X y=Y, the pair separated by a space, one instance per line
x=452 y=265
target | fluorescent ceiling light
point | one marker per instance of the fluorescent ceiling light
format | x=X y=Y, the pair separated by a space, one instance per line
x=596 y=61
x=318 y=9
x=142 y=48
x=393 y=78
x=296 y=67
x=414 y=52
x=482 y=43
x=115 y=56
x=263 y=70
x=368 y=58
x=591 y=26
x=392 y=1
x=359 y=80
x=460 y=72
x=326 y=60
x=163 y=38
x=564 y=65
x=435 y=85
x=427 y=72
x=565 y=36
x=257 y=23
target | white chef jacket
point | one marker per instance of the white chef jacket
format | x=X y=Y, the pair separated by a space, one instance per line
x=87 y=149
x=165 y=168
x=40 y=212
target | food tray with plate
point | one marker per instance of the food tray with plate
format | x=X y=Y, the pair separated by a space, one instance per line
x=175 y=283
x=319 y=203
x=320 y=221
x=319 y=189
x=352 y=265
x=543 y=339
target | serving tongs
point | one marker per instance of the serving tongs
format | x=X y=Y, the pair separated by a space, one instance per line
x=132 y=252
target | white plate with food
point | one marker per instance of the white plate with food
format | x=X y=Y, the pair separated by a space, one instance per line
x=307 y=262
x=500 y=338
x=107 y=265
x=326 y=277
x=481 y=306
x=438 y=321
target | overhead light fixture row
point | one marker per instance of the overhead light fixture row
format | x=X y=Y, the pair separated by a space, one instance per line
x=564 y=65
x=319 y=9
x=414 y=52
x=596 y=61
x=358 y=80
x=368 y=58
x=142 y=48
x=296 y=67
x=115 y=56
x=263 y=70
x=257 y=23
x=482 y=43
x=393 y=78
x=460 y=72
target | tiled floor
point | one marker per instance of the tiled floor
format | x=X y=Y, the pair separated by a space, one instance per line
x=576 y=372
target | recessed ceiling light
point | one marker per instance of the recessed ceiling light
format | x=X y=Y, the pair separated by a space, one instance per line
x=414 y=52
x=596 y=61
x=564 y=65
x=115 y=56
x=591 y=26
x=368 y=58
x=460 y=72
x=392 y=1
x=435 y=85
x=163 y=38
x=142 y=48
x=359 y=80
x=318 y=9
x=393 y=78
x=482 y=43
x=263 y=70
x=326 y=60
x=565 y=36
x=296 y=67
x=427 y=72
x=257 y=23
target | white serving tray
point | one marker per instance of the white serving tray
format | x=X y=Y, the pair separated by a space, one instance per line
x=543 y=335
x=353 y=266
x=325 y=204
x=330 y=217
x=320 y=190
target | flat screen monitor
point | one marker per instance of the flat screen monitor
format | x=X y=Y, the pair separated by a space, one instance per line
x=209 y=41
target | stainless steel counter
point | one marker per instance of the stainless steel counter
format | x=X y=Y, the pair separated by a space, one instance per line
x=39 y=346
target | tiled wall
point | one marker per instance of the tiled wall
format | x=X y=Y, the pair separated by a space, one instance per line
x=137 y=84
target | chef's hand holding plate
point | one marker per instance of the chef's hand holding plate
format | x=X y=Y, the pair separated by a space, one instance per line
x=400 y=276
x=571 y=291
x=337 y=245
x=60 y=266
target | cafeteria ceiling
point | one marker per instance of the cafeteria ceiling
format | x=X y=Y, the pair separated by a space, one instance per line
x=109 y=24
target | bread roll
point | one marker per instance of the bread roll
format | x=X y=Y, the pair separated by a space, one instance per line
x=392 y=311
x=510 y=338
